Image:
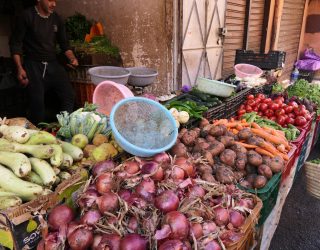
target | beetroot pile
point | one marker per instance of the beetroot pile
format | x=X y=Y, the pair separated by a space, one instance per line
x=159 y=203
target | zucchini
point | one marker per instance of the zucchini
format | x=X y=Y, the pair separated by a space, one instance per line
x=17 y=162
x=34 y=178
x=75 y=152
x=15 y=133
x=9 y=201
x=42 y=137
x=44 y=170
x=25 y=190
x=57 y=159
x=67 y=160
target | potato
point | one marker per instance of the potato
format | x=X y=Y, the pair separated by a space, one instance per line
x=276 y=164
x=226 y=140
x=208 y=157
x=240 y=164
x=189 y=138
x=228 y=157
x=251 y=169
x=244 y=134
x=199 y=147
x=204 y=122
x=179 y=149
x=254 y=158
x=216 y=148
x=266 y=160
x=182 y=132
x=225 y=175
x=199 y=140
x=265 y=171
x=218 y=130
x=238 y=175
x=250 y=178
x=260 y=181
x=238 y=148
x=255 y=140
x=197 y=131
x=205 y=130
x=210 y=138
x=203 y=168
x=229 y=133
x=246 y=184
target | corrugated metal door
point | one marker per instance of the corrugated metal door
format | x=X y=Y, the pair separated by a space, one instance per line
x=255 y=25
x=290 y=29
x=202 y=42
x=235 y=21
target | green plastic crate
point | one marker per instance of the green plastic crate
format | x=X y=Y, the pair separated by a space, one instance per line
x=268 y=195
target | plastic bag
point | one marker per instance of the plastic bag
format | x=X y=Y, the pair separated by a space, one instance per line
x=310 y=61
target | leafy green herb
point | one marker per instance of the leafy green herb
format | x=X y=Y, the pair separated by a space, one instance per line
x=77 y=26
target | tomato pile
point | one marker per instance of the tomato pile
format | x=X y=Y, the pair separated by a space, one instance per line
x=276 y=110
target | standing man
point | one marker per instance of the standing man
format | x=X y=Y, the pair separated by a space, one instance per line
x=33 y=47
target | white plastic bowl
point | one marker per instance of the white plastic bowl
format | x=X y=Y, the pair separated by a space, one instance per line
x=214 y=87
x=109 y=73
x=142 y=76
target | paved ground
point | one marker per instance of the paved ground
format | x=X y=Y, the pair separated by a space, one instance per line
x=299 y=226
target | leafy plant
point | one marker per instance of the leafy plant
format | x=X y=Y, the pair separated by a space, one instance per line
x=77 y=26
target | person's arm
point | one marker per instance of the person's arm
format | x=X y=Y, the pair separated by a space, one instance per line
x=16 y=43
x=64 y=43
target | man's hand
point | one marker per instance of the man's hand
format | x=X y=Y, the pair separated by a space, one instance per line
x=22 y=77
x=73 y=63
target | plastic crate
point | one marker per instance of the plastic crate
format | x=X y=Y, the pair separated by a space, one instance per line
x=316 y=131
x=215 y=112
x=192 y=123
x=80 y=73
x=268 y=195
x=233 y=103
x=272 y=60
x=84 y=92
x=263 y=89
x=292 y=159
x=302 y=155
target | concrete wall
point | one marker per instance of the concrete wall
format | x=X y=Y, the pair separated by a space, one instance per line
x=142 y=29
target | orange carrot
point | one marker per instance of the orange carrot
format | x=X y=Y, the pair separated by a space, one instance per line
x=246 y=145
x=235 y=131
x=255 y=125
x=232 y=119
x=264 y=152
x=236 y=123
x=239 y=127
x=271 y=138
x=220 y=122
x=281 y=148
x=243 y=121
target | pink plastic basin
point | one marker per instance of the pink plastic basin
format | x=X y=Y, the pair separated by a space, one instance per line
x=107 y=94
x=247 y=70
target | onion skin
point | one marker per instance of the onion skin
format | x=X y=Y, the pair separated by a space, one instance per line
x=177 y=174
x=88 y=199
x=52 y=242
x=212 y=245
x=184 y=164
x=236 y=219
x=133 y=224
x=196 y=192
x=247 y=202
x=146 y=189
x=71 y=227
x=173 y=245
x=108 y=202
x=80 y=239
x=91 y=217
x=209 y=227
x=133 y=242
x=196 y=229
x=40 y=245
x=178 y=223
x=162 y=158
x=102 y=166
x=59 y=216
x=131 y=167
x=167 y=201
x=222 y=216
x=152 y=168
x=104 y=183
x=96 y=241
x=124 y=194
x=137 y=201
x=109 y=241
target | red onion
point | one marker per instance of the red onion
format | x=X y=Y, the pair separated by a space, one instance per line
x=231 y=188
x=96 y=241
x=162 y=158
x=167 y=201
x=222 y=216
x=124 y=194
x=137 y=201
x=133 y=242
x=212 y=245
x=73 y=225
x=59 y=216
x=133 y=224
x=236 y=218
x=102 y=166
x=146 y=189
x=173 y=245
x=177 y=173
x=131 y=167
x=218 y=200
x=52 y=241
x=196 y=229
x=152 y=168
x=104 y=183
x=80 y=239
x=91 y=217
x=40 y=245
x=108 y=202
x=209 y=227
x=186 y=165
x=88 y=198
x=109 y=241
x=196 y=191
x=178 y=224
x=246 y=202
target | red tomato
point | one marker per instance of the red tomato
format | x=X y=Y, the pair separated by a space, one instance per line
x=280 y=98
x=242 y=106
x=251 y=102
x=292 y=115
x=293 y=104
x=267 y=100
x=248 y=108
x=260 y=113
x=284 y=105
x=269 y=113
x=263 y=107
x=261 y=96
x=279 y=102
x=279 y=112
x=255 y=109
x=281 y=120
x=288 y=109
x=241 y=112
x=300 y=121
x=250 y=97
x=273 y=118
x=258 y=100
x=308 y=117
x=273 y=106
x=289 y=120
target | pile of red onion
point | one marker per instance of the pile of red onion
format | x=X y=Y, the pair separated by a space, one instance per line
x=125 y=204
